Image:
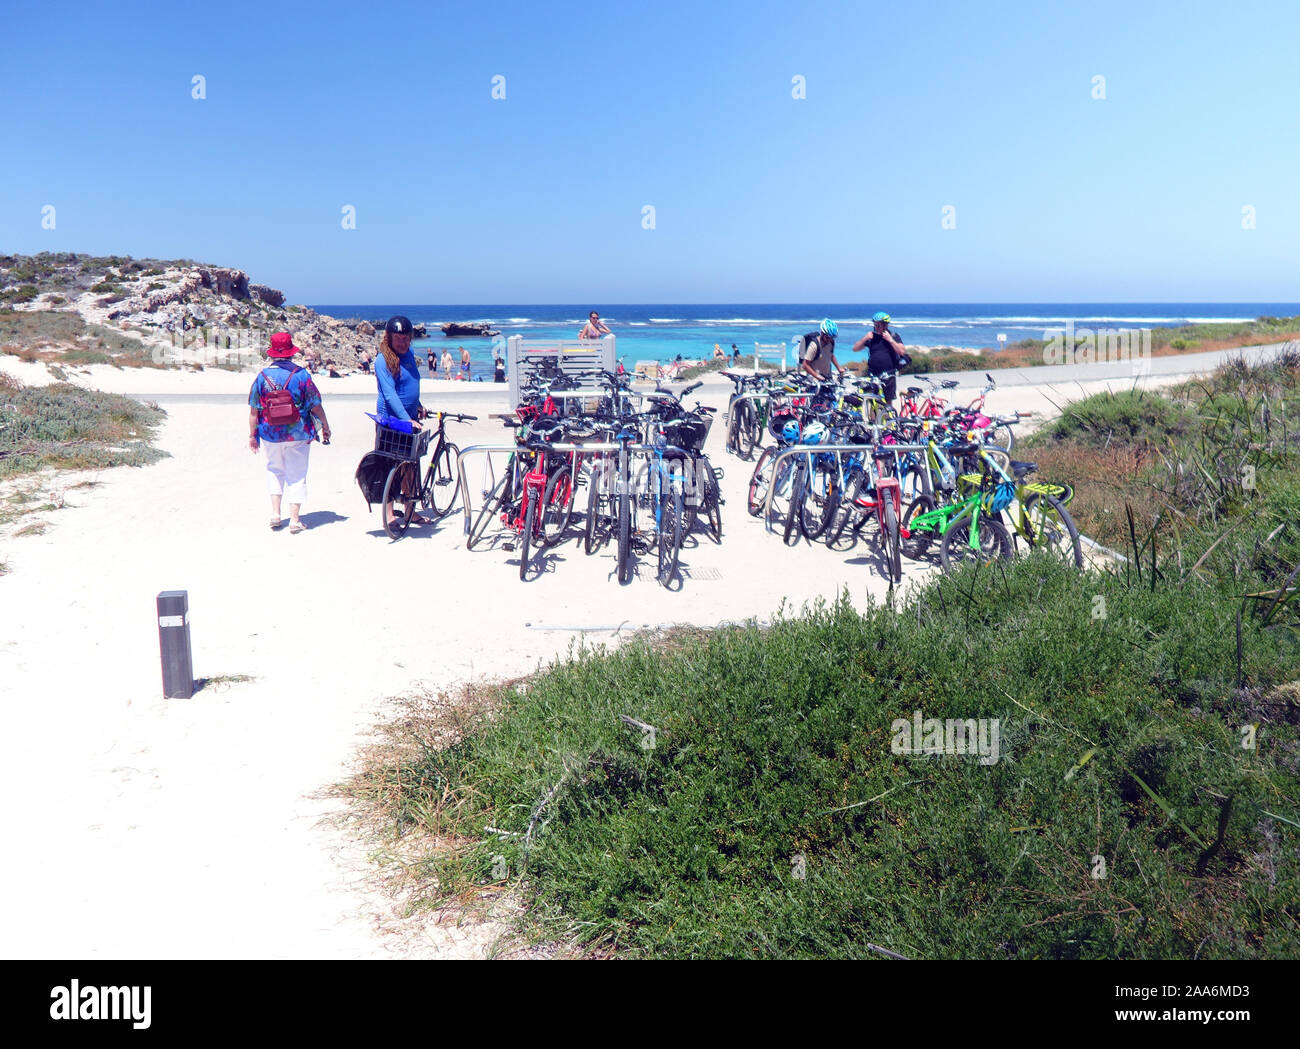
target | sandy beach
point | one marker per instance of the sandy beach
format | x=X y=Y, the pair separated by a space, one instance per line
x=143 y=827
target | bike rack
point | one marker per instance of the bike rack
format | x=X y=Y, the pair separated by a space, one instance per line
x=565 y=448
x=836 y=450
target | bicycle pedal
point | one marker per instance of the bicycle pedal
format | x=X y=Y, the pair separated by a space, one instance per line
x=508 y=547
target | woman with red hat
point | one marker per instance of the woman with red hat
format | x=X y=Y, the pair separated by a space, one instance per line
x=285 y=431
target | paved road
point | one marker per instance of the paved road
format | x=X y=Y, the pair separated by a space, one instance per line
x=491 y=396
x=1159 y=368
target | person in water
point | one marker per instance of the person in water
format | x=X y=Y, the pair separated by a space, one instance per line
x=594 y=328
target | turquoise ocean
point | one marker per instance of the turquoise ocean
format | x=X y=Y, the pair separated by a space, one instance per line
x=662 y=332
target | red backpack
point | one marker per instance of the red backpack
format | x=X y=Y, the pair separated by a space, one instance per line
x=278 y=407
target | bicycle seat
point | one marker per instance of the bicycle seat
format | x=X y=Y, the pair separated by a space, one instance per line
x=949 y=384
x=914 y=391
x=1019 y=469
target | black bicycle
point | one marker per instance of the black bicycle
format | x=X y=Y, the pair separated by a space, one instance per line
x=436 y=492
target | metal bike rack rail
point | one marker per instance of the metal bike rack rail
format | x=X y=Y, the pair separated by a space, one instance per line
x=836 y=450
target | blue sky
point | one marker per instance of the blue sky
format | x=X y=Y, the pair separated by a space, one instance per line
x=686 y=107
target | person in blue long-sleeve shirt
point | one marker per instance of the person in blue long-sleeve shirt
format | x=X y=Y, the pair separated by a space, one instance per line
x=397 y=373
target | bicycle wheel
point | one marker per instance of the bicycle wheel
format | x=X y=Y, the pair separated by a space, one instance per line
x=490 y=508
x=530 y=522
x=595 y=531
x=818 y=503
x=1002 y=436
x=712 y=502
x=747 y=435
x=441 y=481
x=890 y=541
x=557 y=506
x=395 y=524
x=624 y=520
x=1051 y=528
x=670 y=531
x=759 y=482
x=692 y=495
x=918 y=540
x=842 y=532
x=798 y=493
x=955 y=548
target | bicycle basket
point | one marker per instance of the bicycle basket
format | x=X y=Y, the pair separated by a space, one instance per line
x=399 y=445
x=688 y=433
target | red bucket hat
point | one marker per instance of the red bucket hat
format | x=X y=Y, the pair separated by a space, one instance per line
x=282 y=345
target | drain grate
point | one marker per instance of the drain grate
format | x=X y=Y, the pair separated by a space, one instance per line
x=701 y=573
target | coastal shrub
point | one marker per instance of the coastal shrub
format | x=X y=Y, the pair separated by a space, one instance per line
x=23 y=293
x=768 y=816
x=1130 y=417
x=67 y=427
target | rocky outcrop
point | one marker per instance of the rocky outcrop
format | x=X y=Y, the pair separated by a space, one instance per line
x=230 y=283
x=462 y=329
x=191 y=307
x=269 y=296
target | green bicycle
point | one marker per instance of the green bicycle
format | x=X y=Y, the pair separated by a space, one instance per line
x=1038 y=515
x=969 y=527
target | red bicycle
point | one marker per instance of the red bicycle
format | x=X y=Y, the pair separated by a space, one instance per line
x=932 y=407
x=872 y=493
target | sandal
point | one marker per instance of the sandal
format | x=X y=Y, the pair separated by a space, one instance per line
x=297 y=527
x=276 y=524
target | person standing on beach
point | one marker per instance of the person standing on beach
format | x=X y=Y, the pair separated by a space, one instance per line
x=433 y=365
x=286 y=447
x=464 y=364
x=886 y=353
x=594 y=328
x=499 y=373
x=397 y=374
x=446 y=363
x=818 y=352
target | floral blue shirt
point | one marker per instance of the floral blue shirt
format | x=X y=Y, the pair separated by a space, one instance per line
x=305 y=396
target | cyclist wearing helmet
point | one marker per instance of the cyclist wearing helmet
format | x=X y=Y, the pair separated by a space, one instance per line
x=398 y=375
x=885 y=354
x=817 y=352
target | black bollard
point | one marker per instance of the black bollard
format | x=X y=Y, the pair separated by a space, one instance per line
x=174 y=641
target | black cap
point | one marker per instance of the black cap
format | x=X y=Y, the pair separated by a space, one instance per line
x=399 y=325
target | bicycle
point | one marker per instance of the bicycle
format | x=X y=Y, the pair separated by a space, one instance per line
x=746 y=419
x=1039 y=516
x=871 y=492
x=402 y=485
x=689 y=429
x=969 y=527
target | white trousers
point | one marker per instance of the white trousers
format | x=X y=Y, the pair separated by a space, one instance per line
x=286 y=469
